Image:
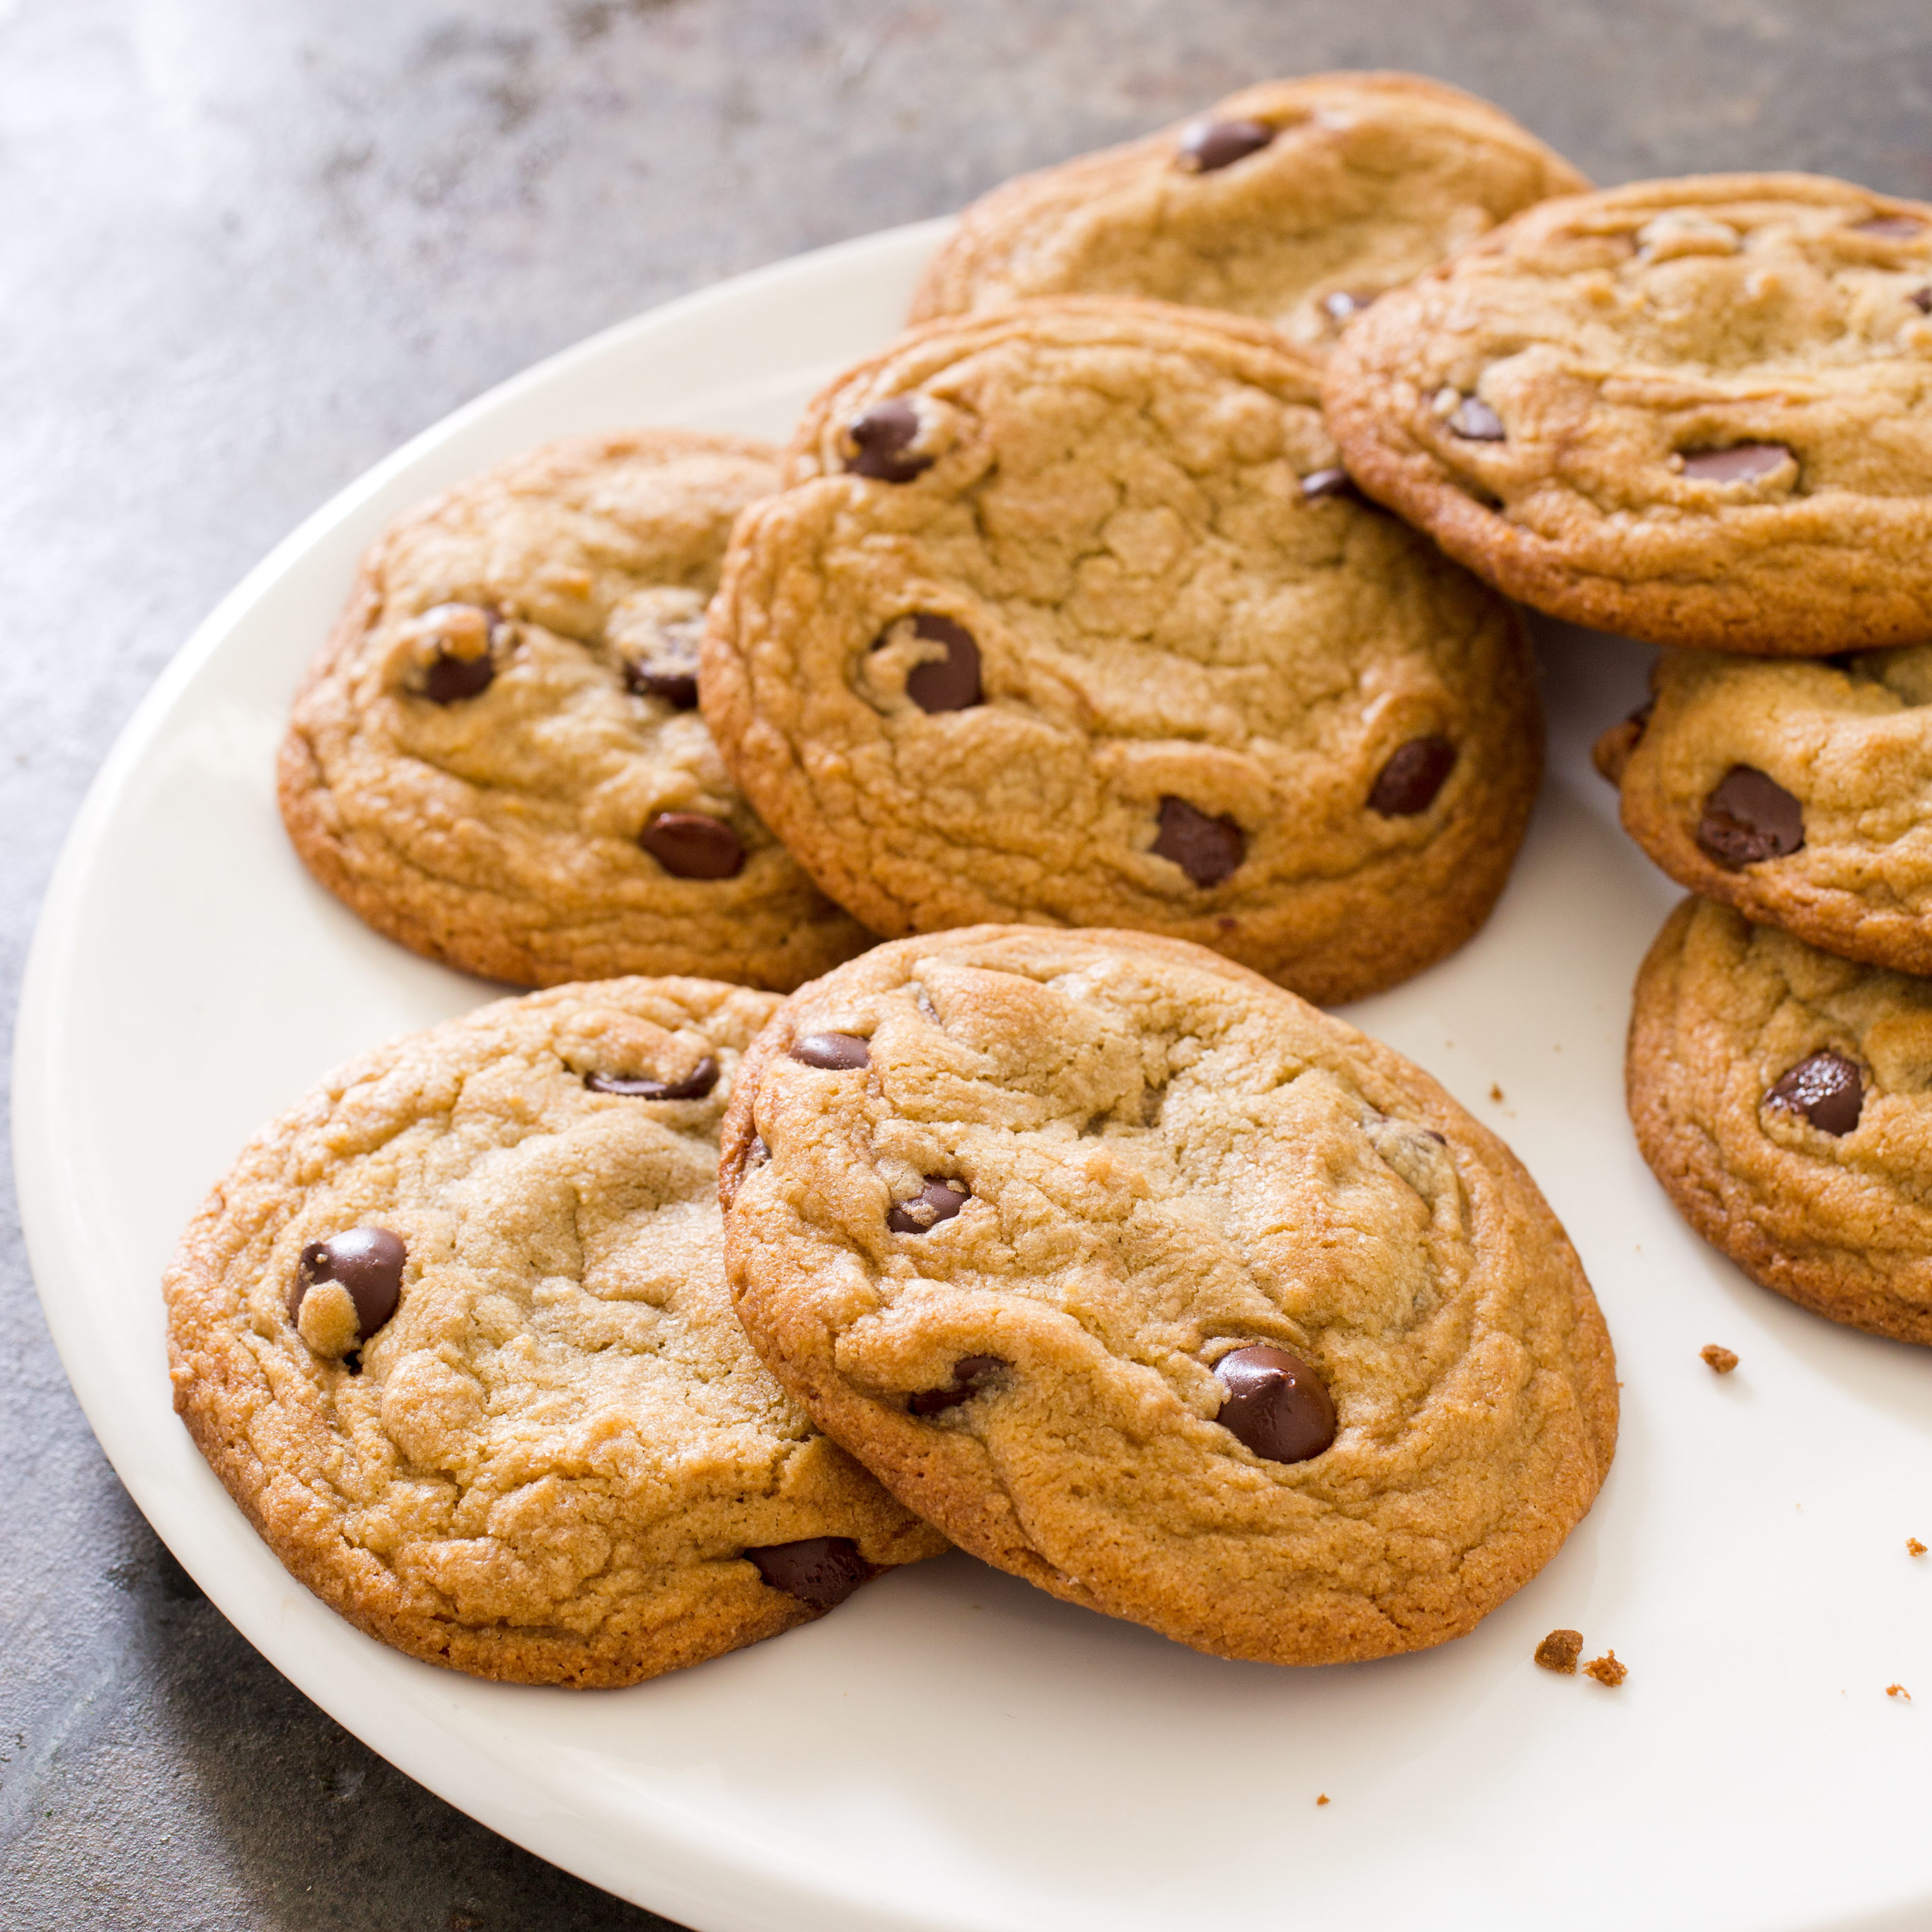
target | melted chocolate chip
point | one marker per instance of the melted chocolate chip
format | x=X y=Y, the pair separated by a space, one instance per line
x=1275 y=1405
x=882 y=438
x=689 y=845
x=1739 y=462
x=821 y=1570
x=1749 y=817
x=1208 y=145
x=1475 y=421
x=1921 y=300
x=669 y=669
x=834 y=1052
x=939 y=1200
x=950 y=683
x=1415 y=772
x=970 y=1374
x=368 y=1262
x=1895 y=227
x=1320 y=483
x=1340 y=304
x=1826 y=1087
x=1207 y=850
x=449 y=679
x=695 y=1084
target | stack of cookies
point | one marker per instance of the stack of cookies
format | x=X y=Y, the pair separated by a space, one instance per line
x=932 y=836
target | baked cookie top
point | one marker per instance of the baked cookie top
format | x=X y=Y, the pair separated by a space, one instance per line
x=1296 y=202
x=1149 y=1282
x=1783 y=1097
x=1067 y=615
x=1698 y=412
x=454 y=1331
x=1799 y=793
x=496 y=758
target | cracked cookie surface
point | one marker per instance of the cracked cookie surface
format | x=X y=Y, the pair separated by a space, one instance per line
x=1295 y=203
x=1799 y=793
x=548 y=1454
x=1065 y=615
x=1149 y=1282
x=1697 y=412
x=1783 y=1097
x=497 y=757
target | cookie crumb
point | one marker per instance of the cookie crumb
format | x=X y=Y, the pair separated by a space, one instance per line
x=1605 y=1669
x=1913 y=1547
x=1495 y=1091
x=1898 y=1691
x=1721 y=1361
x=1560 y=1650
x=1323 y=1799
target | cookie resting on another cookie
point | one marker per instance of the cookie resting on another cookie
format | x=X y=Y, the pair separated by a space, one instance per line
x=1696 y=412
x=454 y=1331
x=1067 y=615
x=1147 y=1281
x=1296 y=202
x=497 y=759
x=1783 y=1097
x=1799 y=793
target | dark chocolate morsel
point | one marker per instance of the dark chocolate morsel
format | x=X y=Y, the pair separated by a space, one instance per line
x=1338 y=304
x=1208 y=145
x=969 y=1376
x=821 y=1570
x=1275 y=1405
x=939 y=1200
x=450 y=678
x=882 y=438
x=1415 y=772
x=834 y=1052
x=1749 y=817
x=1921 y=299
x=669 y=670
x=695 y=1084
x=1207 y=850
x=689 y=845
x=950 y=683
x=1826 y=1087
x=1320 y=483
x=368 y=1262
x=1895 y=227
x=1737 y=463
x=1475 y=421
x=352 y=1361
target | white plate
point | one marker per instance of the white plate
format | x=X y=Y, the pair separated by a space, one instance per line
x=953 y=1750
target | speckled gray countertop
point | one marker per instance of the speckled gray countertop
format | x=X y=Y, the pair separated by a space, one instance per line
x=248 y=247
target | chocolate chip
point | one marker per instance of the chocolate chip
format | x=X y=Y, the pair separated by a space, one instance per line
x=1898 y=227
x=1739 y=462
x=448 y=679
x=1207 y=850
x=882 y=438
x=689 y=845
x=451 y=674
x=695 y=1084
x=821 y=1570
x=939 y=1200
x=835 y=1052
x=1275 y=1405
x=1320 y=483
x=1206 y=146
x=969 y=1374
x=668 y=669
x=368 y=1262
x=1749 y=817
x=950 y=683
x=1340 y=304
x=1475 y=421
x=1415 y=772
x=1826 y=1087
x=1921 y=300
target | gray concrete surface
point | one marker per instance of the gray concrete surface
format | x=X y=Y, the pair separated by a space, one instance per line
x=247 y=246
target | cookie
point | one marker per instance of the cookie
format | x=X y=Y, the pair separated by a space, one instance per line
x=1783 y=1097
x=1147 y=1281
x=497 y=760
x=1799 y=793
x=454 y=1332
x=1067 y=616
x=1697 y=412
x=1296 y=202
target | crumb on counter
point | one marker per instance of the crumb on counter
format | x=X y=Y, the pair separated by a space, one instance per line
x=1605 y=1669
x=1495 y=1091
x=1323 y=1799
x=1898 y=1691
x=1720 y=1361
x=1913 y=1547
x=1560 y=1650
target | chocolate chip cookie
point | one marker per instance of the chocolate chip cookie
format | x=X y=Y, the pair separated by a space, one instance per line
x=1783 y=1097
x=455 y=1333
x=1696 y=412
x=1067 y=615
x=1297 y=202
x=497 y=757
x=1147 y=1281
x=1799 y=793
